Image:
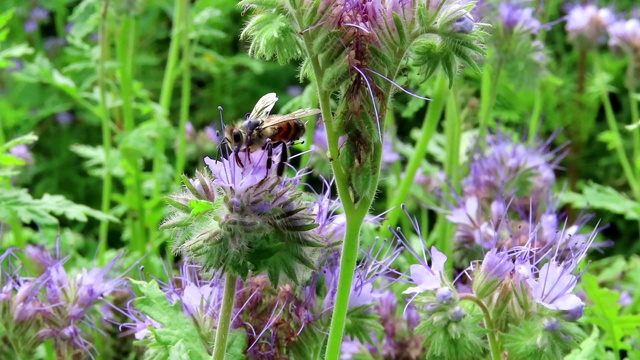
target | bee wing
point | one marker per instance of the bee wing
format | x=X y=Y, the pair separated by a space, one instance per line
x=263 y=106
x=298 y=114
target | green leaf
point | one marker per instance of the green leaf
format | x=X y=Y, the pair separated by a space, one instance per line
x=603 y=197
x=27 y=139
x=179 y=338
x=236 y=345
x=200 y=206
x=19 y=203
x=6 y=16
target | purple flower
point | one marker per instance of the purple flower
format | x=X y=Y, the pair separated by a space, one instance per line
x=553 y=286
x=21 y=151
x=625 y=36
x=587 y=24
x=516 y=19
x=374 y=267
x=495 y=267
x=30 y=26
x=64 y=118
x=428 y=277
x=212 y=134
x=39 y=14
x=52 y=42
x=17 y=66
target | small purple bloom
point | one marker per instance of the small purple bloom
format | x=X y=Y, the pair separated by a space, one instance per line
x=428 y=277
x=39 y=14
x=21 y=151
x=553 y=286
x=64 y=118
x=17 y=66
x=30 y=26
x=587 y=24
x=625 y=36
x=517 y=19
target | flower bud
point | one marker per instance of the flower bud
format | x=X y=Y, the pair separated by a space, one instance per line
x=444 y=295
x=456 y=314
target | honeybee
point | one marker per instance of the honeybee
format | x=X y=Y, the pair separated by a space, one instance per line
x=261 y=130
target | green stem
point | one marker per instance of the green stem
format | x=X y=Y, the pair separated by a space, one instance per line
x=489 y=93
x=453 y=134
x=170 y=74
x=494 y=345
x=126 y=55
x=534 y=120
x=429 y=125
x=222 y=332
x=617 y=142
x=106 y=135
x=185 y=99
x=633 y=105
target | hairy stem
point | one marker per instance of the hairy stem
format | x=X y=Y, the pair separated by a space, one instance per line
x=222 y=332
x=494 y=345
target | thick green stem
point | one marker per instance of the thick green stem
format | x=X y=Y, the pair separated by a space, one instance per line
x=222 y=332
x=126 y=56
x=170 y=74
x=106 y=135
x=347 y=269
x=494 y=345
x=185 y=99
x=429 y=125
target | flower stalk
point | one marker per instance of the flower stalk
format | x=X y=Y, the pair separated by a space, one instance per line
x=494 y=345
x=106 y=135
x=222 y=332
x=186 y=90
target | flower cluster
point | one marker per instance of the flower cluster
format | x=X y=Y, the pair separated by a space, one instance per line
x=54 y=305
x=521 y=287
x=276 y=320
x=242 y=217
x=508 y=197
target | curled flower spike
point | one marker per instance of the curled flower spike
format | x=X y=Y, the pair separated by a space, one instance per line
x=242 y=217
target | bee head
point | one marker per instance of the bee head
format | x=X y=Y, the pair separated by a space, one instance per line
x=234 y=136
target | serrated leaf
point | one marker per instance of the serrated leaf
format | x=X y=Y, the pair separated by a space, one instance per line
x=603 y=197
x=27 y=139
x=178 y=331
x=19 y=203
x=236 y=345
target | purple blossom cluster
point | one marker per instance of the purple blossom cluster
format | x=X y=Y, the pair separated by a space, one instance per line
x=56 y=304
x=507 y=198
x=276 y=319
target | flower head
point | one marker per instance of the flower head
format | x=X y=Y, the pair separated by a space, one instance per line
x=587 y=24
x=514 y=18
x=242 y=216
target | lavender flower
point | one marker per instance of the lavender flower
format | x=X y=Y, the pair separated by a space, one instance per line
x=64 y=118
x=517 y=19
x=625 y=36
x=495 y=267
x=587 y=24
x=425 y=277
x=21 y=151
x=55 y=305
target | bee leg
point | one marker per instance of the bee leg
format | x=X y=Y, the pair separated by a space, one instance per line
x=236 y=153
x=284 y=157
x=269 y=148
